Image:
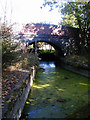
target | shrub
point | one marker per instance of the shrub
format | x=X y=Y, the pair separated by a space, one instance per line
x=7 y=46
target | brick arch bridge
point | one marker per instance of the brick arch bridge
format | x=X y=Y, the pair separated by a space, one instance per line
x=60 y=37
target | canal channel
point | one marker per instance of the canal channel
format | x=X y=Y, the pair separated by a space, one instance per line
x=56 y=93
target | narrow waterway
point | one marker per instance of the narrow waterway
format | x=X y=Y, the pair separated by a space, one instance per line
x=56 y=93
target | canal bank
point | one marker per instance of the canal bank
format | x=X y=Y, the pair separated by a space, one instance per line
x=75 y=67
x=14 y=106
x=56 y=93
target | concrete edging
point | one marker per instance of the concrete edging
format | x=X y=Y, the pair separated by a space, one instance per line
x=80 y=71
x=16 y=110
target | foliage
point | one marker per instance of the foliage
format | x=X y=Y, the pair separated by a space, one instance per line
x=46 y=51
x=7 y=52
x=5 y=31
x=7 y=46
x=31 y=60
x=80 y=11
x=25 y=61
x=76 y=14
x=67 y=20
x=40 y=44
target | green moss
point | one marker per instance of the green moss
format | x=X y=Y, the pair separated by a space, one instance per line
x=16 y=93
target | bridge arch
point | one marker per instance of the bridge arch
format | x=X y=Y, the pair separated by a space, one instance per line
x=58 y=50
x=60 y=37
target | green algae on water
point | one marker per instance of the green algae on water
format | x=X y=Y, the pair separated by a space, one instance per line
x=56 y=93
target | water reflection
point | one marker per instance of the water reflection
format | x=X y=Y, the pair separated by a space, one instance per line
x=47 y=65
x=43 y=112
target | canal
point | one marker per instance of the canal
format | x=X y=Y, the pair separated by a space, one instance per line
x=56 y=93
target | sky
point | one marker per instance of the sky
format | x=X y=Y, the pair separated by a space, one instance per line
x=28 y=11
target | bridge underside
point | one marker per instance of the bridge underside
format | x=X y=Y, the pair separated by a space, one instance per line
x=58 y=42
x=58 y=51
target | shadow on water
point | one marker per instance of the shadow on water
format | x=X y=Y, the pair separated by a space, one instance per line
x=83 y=112
x=56 y=94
